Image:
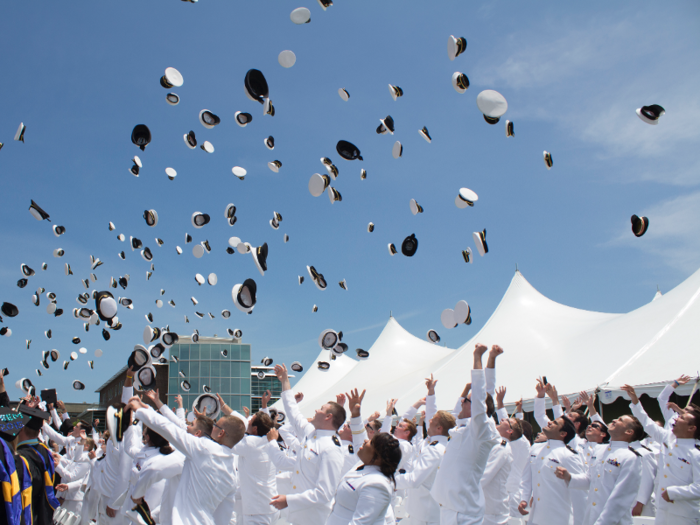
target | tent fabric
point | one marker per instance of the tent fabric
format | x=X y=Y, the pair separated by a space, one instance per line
x=575 y=349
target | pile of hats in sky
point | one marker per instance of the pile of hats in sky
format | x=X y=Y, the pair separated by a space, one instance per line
x=492 y=105
x=331 y=341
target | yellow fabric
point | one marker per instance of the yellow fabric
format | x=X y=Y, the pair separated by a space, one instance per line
x=10 y=488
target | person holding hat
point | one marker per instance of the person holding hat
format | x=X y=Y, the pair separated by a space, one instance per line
x=457 y=486
x=207 y=485
x=318 y=464
x=612 y=480
x=678 y=480
x=40 y=463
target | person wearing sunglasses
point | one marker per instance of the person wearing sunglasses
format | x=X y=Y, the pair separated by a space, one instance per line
x=612 y=481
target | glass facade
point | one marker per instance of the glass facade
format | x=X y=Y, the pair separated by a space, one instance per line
x=204 y=364
x=259 y=386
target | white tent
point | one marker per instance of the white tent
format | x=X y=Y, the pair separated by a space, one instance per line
x=575 y=349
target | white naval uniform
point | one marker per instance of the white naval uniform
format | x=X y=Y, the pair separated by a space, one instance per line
x=421 y=506
x=316 y=471
x=91 y=497
x=349 y=457
x=646 y=487
x=74 y=473
x=143 y=459
x=167 y=469
x=678 y=472
x=551 y=499
x=362 y=498
x=457 y=486
x=493 y=483
x=113 y=481
x=206 y=491
x=257 y=482
x=520 y=451
x=612 y=483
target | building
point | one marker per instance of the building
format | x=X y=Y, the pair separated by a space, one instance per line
x=267 y=380
x=220 y=365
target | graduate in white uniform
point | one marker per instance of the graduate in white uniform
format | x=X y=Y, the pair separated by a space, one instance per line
x=457 y=485
x=315 y=472
x=678 y=477
x=364 y=494
x=73 y=475
x=612 y=480
x=206 y=490
x=551 y=499
x=519 y=448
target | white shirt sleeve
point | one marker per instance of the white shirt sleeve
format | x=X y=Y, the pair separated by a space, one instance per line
x=541 y=412
x=127 y=393
x=294 y=416
x=490 y=376
x=53 y=435
x=557 y=411
x=386 y=424
x=430 y=407
x=173 y=418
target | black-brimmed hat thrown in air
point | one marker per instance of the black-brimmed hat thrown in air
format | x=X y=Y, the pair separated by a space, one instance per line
x=409 y=246
x=348 y=150
x=318 y=184
x=171 y=78
x=395 y=91
x=151 y=217
x=397 y=150
x=242 y=118
x=244 y=295
x=651 y=114
x=510 y=132
x=460 y=82
x=172 y=98
x=415 y=207
x=38 y=213
x=208 y=119
x=141 y=136
x=492 y=104
x=432 y=336
x=465 y=198
x=480 y=241
x=209 y=404
x=387 y=125
x=639 y=225
x=317 y=278
x=105 y=306
x=462 y=313
x=547 y=159
x=190 y=140
x=343 y=93
x=200 y=219
x=468 y=256
x=301 y=15
x=392 y=249
x=260 y=258
x=139 y=358
x=425 y=134
x=19 y=134
x=269 y=142
x=456 y=46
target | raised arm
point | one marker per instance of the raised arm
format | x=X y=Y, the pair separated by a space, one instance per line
x=296 y=419
x=665 y=396
x=177 y=437
x=430 y=401
x=386 y=422
x=551 y=391
x=590 y=403
x=540 y=408
x=490 y=371
x=656 y=433
x=501 y=411
x=357 y=427
x=128 y=388
x=277 y=456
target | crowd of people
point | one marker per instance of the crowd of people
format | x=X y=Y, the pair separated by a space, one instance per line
x=469 y=465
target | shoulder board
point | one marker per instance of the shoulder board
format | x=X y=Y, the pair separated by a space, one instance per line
x=136 y=422
x=359 y=468
x=336 y=441
x=571 y=449
x=635 y=452
x=280 y=445
x=350 y=449
x=503 y=443
x=697 y=446
x=402 y=471
x=647 y=448
x=433 y=443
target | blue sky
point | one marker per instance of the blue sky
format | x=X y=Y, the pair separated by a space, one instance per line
x=82 y=74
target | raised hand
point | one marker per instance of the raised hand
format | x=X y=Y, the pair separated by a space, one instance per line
x=551 y=391
x=672 y=406
x=355 y=402
x=567 y=404
x=587 y=399
x=373 y=417
x=281 y=372
x=562 y=473
x=178 y=400
x=135 y=403
x=299 y=397
x=500 y=396
x=578 y=403
x=682 y=380
x=340 y=399
x=466 y=390
x=272 y=434
x=480 y=349
x=540 y=387
x=60 y=405
x=390 y=406
x=630 y=392
x=266 y=397
x=224 y=407
x=96 y=422
x=152 y=395
x=419 y=403
x=430 y=383
x=519 y=406
x=246 y=411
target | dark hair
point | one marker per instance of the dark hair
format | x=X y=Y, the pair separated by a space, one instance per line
x=490 y=410
x=159 y=442
x=262 y=423
x=234 y=428
x=387 y=449
x=375 y=424
x=205 y=424
x=527 y=429
x=569 y=428
x=66 y=427
x=637 y=429
x=412 y=429
x=578 y=417
x=694 y=411
x=338 y=413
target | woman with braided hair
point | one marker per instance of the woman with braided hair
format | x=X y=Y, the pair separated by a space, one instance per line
x=364 y=493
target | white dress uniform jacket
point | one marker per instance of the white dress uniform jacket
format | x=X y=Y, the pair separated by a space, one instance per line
x=421 y=506
x=612 y=482
x=208 y=478
x=316 y=474
x=493 y=483
x=552 y=503
x=362 y=498
x=678 y=472
x=256 y=475
x=646 y=487
x=457 y=486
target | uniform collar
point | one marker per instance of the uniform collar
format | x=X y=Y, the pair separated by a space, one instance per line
x=439 y=438
x=371 y=469
x=616 y=444
x=554 y=443
x=322 y=433
x=685 y=442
